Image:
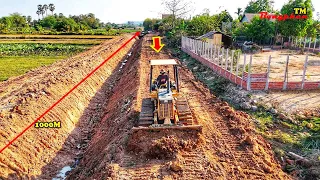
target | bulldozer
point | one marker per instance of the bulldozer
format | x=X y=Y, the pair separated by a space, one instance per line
x=165 y=108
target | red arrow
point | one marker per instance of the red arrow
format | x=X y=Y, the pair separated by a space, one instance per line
x=157 y=46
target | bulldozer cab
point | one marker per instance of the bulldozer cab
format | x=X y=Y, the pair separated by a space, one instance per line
x=165 y=108
x=171 y=85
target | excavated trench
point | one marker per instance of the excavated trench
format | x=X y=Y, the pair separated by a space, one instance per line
x=96 y=139
x=41 y=153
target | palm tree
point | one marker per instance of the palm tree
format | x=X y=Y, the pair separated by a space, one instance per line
x=38 y=12
x=52 y=8
x=45 y=8
x=239 y=11
x=39 y=7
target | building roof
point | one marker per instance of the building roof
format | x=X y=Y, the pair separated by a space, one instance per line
x=155 y=62
x=247 y=17
x=210 y=34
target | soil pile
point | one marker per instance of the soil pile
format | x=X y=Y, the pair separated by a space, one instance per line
x=24 y=98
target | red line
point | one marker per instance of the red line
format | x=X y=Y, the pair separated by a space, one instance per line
x=64 y=96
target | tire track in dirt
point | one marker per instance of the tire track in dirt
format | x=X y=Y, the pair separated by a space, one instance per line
x=222 y=154
x=228 y=147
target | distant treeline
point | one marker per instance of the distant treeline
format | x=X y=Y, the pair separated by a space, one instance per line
x=59 y=24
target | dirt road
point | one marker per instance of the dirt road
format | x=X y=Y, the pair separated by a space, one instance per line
x=228 y=147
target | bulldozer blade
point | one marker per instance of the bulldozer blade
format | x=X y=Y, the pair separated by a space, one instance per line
x=168 y=127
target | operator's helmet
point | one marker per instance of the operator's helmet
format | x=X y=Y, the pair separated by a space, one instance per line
x=162 y=71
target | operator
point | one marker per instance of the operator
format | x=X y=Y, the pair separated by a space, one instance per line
x=162 y=78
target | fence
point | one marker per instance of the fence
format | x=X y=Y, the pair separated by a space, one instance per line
x=226 y=63
x=308 y=43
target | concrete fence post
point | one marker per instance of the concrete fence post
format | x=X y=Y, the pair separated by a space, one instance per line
x=304 y=72
x=227 y=60
x=243 y=69
x=309 y=44
x=249 y=75
x=237 y=67
x=210 y=52
x=218 y=57
x=182 y=42
x=285 y=81
x=222 y=59
x=314 y=45
x=215 y=53
x=231 y=68
x=204 y=49
x=305 y=42
x=268 y=74
x=201 y=48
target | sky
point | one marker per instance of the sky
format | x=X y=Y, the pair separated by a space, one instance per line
x=121 y=11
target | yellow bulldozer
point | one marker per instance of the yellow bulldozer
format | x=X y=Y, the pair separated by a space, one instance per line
x=165 y=108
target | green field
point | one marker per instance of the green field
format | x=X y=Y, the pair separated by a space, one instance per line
x=21 y=53
x=11 y=66
x=20 y=36
x=53 y=41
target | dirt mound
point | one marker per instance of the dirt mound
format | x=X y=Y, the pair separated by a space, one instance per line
x=162 y=144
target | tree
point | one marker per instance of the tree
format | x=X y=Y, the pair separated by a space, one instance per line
x=45 y=8
x=41 y=9
x=18 y=20
x=29 y=20
x=256 y=6
x=239 y=12
x=202 y=24
x=38 y=12
x=147 y=24
x=48 y=22
x=52 y=8
x=260 y=29
x=296 y=27
x=177 y=8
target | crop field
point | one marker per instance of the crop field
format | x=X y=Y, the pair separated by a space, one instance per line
x=11 y=66
x=19 y=36
x=21 y=53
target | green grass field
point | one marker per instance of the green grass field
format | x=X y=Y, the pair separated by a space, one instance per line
x=11 y=66
x=53 y=41
x=21 y=53
x=20 y=36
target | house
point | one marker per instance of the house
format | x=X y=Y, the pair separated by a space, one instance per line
x=217 y=37
x=247 y=17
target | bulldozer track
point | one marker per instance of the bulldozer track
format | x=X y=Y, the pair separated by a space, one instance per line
x=219 y=154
